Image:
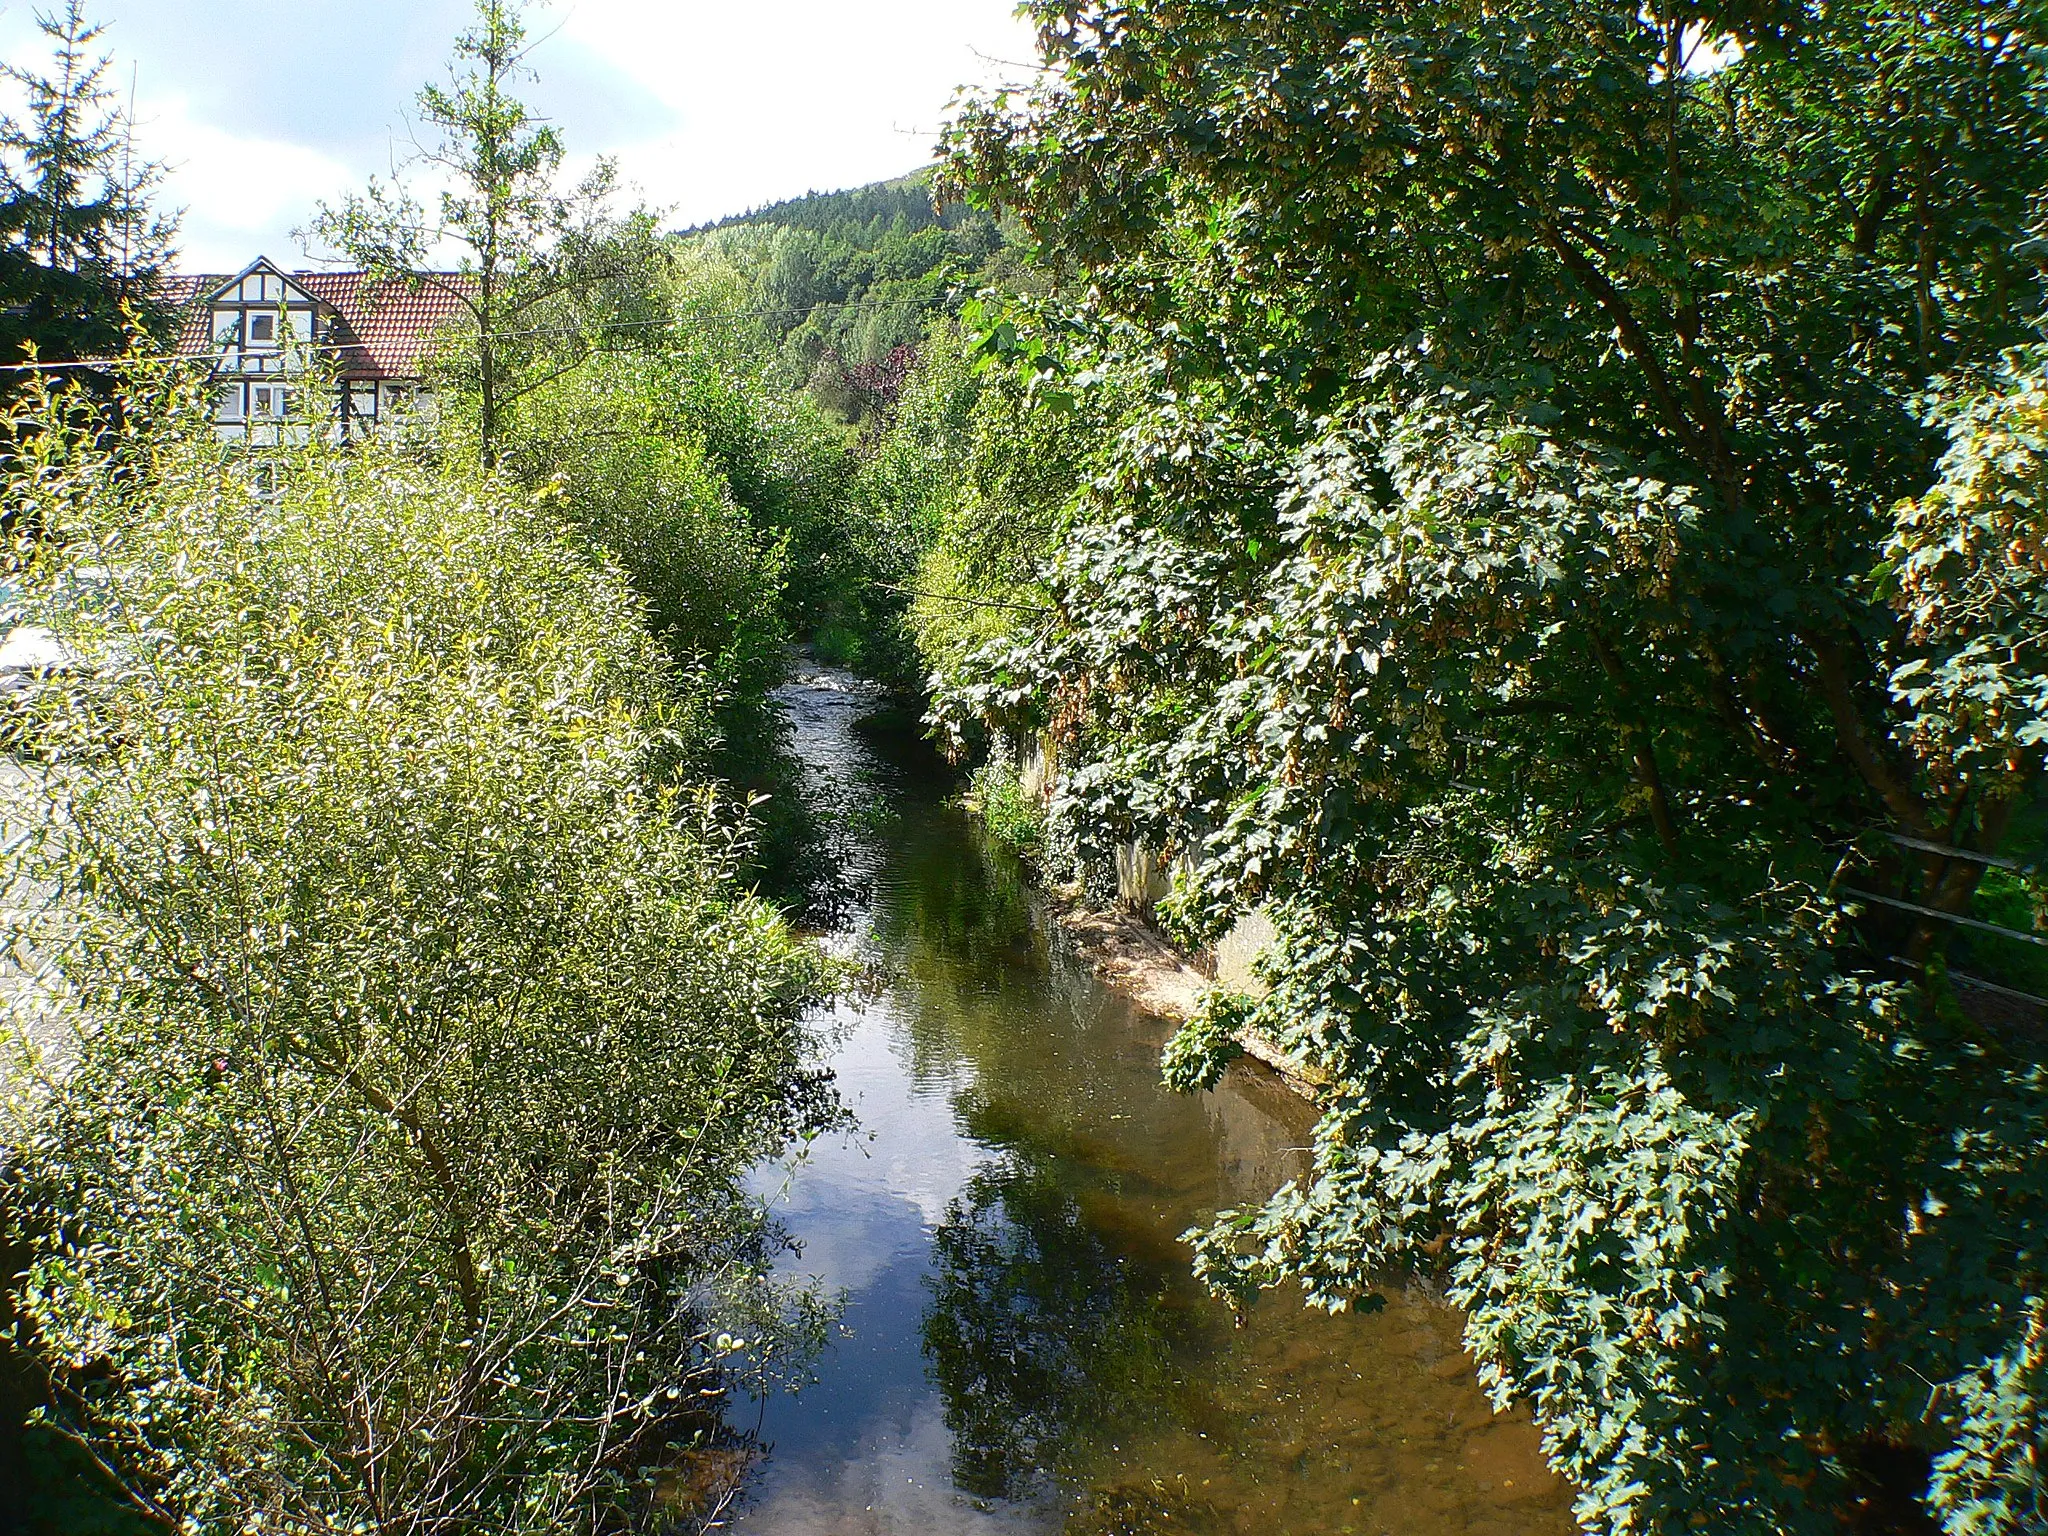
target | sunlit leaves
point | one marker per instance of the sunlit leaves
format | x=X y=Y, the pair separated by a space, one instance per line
x=1967 y=568
x=420 y=1033
x=1494 y=573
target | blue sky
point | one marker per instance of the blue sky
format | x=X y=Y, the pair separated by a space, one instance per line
x=262 y=107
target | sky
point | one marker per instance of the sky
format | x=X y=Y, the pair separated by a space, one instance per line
x=263 y=107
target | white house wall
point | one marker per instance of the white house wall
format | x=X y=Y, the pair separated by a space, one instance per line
x=246 y=365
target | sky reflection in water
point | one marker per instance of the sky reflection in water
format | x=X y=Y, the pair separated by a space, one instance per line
x=1026 y=1351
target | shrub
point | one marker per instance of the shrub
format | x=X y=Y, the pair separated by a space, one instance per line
x=643 y=486
x=421 y=1036
x=1012 y=817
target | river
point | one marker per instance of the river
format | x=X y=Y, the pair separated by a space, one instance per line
x=1024 y=1349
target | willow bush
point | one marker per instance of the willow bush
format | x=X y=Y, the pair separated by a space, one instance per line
x=623 y=462
x=392 y=1181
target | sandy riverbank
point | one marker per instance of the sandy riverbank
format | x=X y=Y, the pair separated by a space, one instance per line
x=1131 y=956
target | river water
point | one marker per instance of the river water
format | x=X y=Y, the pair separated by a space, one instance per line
x=1024 y=1349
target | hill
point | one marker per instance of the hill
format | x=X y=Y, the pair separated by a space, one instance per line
x=847 y=283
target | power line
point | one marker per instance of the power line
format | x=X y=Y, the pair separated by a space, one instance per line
x=105 y=364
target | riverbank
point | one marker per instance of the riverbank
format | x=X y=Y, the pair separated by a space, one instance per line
x=1025 y=1350
x=1131 y=957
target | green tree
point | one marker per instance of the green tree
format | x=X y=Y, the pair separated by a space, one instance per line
x=79 y=244
x=1574 y=521
x=411 y=1036
x=617 y=456
x=955 y=500
x=546 y=269
x=842 y=279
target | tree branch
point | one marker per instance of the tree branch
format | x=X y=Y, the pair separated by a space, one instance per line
x=1866 y=756
x=1634 y=339
x=1647 y=771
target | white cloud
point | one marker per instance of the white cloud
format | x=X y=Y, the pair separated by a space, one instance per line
x=785 y=96
x=711 y=108
x=242 y=195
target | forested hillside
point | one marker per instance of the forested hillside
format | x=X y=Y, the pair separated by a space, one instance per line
x=844 y=307
x=848 y=283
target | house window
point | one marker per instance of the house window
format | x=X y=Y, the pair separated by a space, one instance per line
x=266 y=400
x=230 y=406
x=263 y=327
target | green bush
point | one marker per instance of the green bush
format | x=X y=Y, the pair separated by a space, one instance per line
x=422 y=1039
x=1573 y=499
x=2018 y=902
x=605 y=444
x=957 y=507
x=1012 y=817
x=786 y=465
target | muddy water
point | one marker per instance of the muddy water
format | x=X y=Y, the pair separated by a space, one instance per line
x=1024 y=1349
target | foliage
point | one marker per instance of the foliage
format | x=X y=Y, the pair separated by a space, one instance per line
x=859 y=215
x=843 y=281
x=1012 y=817
x=1003 y=474
x=1562 y=501
x=613 y=453
x=420 y=1036
x=689 y=399
x=1967 y=568
x=898 y=496
x=787 y=465
x=81 y=251
x=969 y=475
x=2018 y=903
x=857 y=273
x=832 y=317
x=546 y=270
x=1203 y=1048
x=722 y=499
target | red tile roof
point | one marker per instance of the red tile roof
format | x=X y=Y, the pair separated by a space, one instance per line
x=382 y=329
x=178 y=291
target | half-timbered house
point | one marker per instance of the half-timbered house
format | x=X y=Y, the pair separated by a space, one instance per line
x=265 y=330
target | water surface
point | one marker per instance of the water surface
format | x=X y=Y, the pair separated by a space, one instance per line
x=1025 y=1350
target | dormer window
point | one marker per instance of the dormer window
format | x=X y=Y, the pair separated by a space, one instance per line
x=263 y=327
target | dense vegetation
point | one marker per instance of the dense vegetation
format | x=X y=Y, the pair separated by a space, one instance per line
x=1559 y=511
x=846 y=284
x=833 y=319
x=1548 y=506
x=407 y=1020
x=419 y=1033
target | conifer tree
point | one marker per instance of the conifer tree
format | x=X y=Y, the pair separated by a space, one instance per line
x=78 y=237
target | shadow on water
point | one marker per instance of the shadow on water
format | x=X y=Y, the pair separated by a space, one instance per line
x=1025 y=1347
x=814 y=832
